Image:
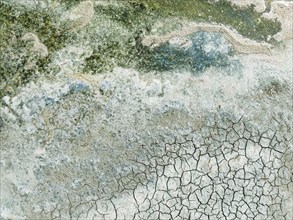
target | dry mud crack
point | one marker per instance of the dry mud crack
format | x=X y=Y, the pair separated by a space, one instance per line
x=148 y=118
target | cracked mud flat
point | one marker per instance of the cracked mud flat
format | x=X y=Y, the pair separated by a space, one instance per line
x=194 y=129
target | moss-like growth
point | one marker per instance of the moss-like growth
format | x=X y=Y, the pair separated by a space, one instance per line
x=113 y=49
x=105 y=57
x=114 y=52
x=68 y=3
x=18 y=64
x=129 y=14
x=247 y=22
x=139 y=16
x=39 y=21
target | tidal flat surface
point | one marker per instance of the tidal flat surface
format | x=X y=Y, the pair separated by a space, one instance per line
x=146 y=109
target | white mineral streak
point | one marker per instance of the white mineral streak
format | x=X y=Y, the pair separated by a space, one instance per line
x=240 y=44
x=37 y=47
x=81 y=15
x=283 y=12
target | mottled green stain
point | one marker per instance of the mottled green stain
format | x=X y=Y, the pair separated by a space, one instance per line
x=130 y=14
x=18 y=64
x=68 y=3
x=39 y=21
x=113 y=50
x=135 y=16
x=139 y=16
x=247 y=22
x=42 y=22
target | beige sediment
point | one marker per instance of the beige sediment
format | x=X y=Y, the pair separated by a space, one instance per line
x=81 y=15
x=241 y=44
x=89 y=79
x=37 y=47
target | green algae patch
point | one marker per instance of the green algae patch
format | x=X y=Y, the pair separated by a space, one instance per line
x=39 y=21
x=68 y=3
x=139 y=17
x=19 y=64
x=119 y=46
x=247 y=22
x=129 y=14
x=107 y=56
